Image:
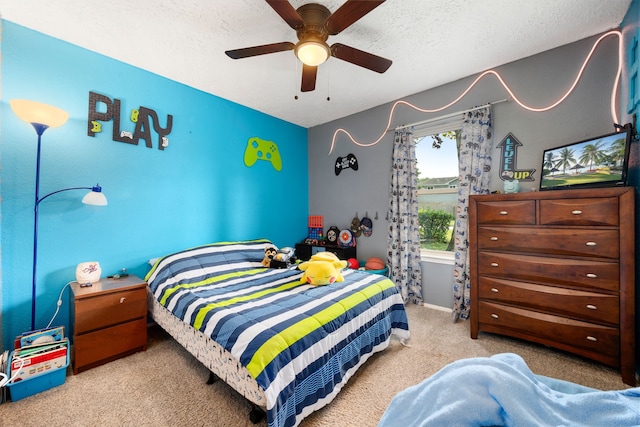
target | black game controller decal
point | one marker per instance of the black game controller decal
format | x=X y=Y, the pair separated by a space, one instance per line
x=345 y=163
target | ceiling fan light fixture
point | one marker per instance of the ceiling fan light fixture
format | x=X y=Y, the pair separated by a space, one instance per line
x=312 y=52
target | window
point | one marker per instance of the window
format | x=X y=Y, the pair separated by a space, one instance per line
x=437 y=163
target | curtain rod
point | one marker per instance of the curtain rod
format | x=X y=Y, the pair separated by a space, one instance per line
x=446 y=116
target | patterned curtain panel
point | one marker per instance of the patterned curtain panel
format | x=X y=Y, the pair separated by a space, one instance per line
x=475 y=177
x=403 y=246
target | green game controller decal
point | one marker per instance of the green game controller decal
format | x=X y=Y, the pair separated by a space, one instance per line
x=261 y=149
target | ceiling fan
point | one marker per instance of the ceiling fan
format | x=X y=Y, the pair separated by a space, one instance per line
x=314 y=23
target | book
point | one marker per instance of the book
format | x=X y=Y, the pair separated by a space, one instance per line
x=40 y=336
x=36 y=361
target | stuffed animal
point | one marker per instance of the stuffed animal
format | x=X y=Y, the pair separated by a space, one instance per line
x=322 y=269
x=269 y=253
x=512 y=186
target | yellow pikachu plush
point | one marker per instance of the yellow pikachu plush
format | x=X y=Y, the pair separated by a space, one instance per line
x=322 y=269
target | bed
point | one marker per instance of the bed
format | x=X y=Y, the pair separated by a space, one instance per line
x=501 y=390
x=287 y=347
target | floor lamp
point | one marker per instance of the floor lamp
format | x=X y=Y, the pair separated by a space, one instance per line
x=41 y=117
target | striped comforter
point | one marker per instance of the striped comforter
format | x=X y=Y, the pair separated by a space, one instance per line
x=301 y=343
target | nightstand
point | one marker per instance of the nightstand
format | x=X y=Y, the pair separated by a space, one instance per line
x=108 y=320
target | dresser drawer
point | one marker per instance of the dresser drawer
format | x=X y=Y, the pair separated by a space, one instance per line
x=584 y=305
x=507 y=212
x=552 y=241
x=560 y=271
x=595 y=211
x=102 y=345
x=601 y=342
x=109 y=309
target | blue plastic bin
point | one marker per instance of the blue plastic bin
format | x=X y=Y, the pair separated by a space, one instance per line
x=40 y=383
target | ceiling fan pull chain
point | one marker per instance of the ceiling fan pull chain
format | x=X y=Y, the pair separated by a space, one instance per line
x=328 y=67
x=295 y=85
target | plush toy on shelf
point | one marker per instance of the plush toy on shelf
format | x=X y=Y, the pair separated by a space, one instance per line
x=323 y=268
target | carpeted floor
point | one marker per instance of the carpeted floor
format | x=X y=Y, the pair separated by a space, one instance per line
x=166 y=386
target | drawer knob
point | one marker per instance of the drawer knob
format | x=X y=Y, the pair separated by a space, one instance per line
x=592 y=244
x=494 y=264
x=591 y=307
x=494 y=238
x=495 y=290
x=592 y=276
x=590 y=338
x=577 y=212
x=504 y=213
x=122 y=300
x=495 y=316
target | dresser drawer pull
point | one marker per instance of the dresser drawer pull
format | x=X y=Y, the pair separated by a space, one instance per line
x=592 y=244
x=494 y=264
x=122 y=300
x=576 y=212
x=504 y=213
x=590 y=338
x=493 y=238
x=591 y=307
x=495 y=290
x=495 y=316
x=592 y=276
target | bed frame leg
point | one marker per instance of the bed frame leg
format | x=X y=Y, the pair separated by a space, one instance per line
x=212 y=378
x=256 y=415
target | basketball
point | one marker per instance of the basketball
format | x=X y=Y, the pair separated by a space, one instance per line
x=374 y=264
x=353 y=263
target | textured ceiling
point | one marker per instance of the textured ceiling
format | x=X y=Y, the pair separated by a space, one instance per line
x=431 y=42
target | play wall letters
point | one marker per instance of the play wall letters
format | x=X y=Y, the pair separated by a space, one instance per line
x=140 y=117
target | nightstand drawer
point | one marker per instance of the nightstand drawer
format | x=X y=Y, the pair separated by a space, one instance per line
x=110 y=309
x=103 y=345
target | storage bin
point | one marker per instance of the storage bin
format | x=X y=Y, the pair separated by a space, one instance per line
x=37 y=384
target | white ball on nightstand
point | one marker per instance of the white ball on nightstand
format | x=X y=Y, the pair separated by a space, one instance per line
x=88 y=272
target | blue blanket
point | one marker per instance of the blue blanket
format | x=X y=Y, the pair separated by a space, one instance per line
x=502 y=391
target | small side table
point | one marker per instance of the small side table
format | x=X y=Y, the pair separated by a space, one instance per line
x=109 y=321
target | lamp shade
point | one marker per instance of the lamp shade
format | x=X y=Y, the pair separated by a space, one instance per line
x=95 y=197
x=37 y=112
x=312 y=53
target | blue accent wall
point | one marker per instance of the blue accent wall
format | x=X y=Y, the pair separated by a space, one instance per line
x=196 y=191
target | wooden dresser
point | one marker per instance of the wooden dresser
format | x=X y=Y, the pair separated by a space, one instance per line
x=557 y=268
x=109 y=321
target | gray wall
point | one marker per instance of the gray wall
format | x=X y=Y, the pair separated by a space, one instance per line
x=537 y=81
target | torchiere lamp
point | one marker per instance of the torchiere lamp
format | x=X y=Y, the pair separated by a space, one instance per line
x=41 y=117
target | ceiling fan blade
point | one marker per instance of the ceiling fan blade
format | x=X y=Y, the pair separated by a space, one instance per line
x=259 y=50
x=308 y=78
x=287 y=12
x=348 y=13
x=360 y=58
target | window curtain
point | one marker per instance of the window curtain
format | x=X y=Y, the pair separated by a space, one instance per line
x=475 y=178
x=403 y=245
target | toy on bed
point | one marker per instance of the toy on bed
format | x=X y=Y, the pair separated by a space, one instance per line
x=502 y=391
x=323 y=268
x=269 y=253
